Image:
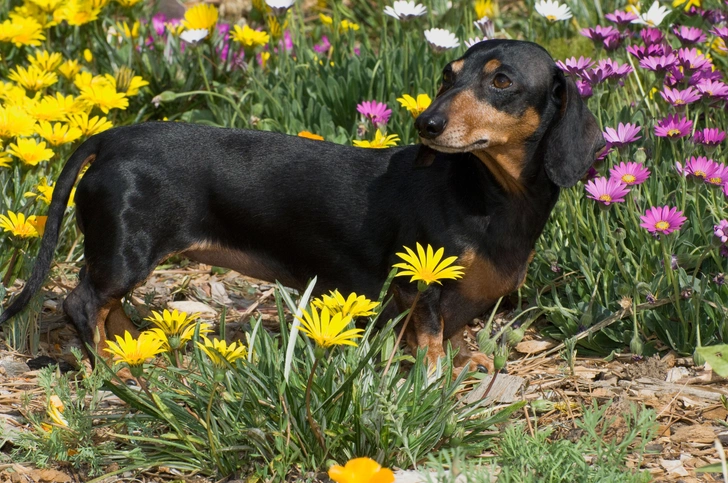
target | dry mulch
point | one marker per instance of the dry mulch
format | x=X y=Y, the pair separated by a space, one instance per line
x=686 y=398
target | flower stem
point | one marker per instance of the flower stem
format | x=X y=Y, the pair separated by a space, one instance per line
x=208 y=418
x=11 y=267
x=675 y=286
x=314 y=425
x=401 y=333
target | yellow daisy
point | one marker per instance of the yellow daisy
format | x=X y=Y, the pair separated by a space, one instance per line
x=326 y=329
x=353 y=305
x=38 y=222
x=346 y=25
x=361 y=470
x=45 y=191
x=221 y=353
x=14 y=121
x=126 y=82
x=45 y=60
x=29 y=151
x=55 y=108
x=415 y=106
x=485 y=8
x=201 y=16
x=17 y=225
x=87 y=79
x=126 y=31
x=428 y=266
x=325 y=19
x=47 y=6
x=275 y=27
x=58 y=133
x=4 y=159
x=379 y=141
x=310 y=135
x=77 y=12
x=89 y=126
x=21 y=31
x=128 y=3
x=134 y=352
x=69 y=68
x=249 y=37
x=104 y=97
x=175 y=328
x=32 y=78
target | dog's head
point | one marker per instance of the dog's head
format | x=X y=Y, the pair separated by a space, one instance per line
x=506 y=102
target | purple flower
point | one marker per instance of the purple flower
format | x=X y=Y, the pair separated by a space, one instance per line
x=606 y=191
x=630 y=173
x=680 y=99
x=721 y=32
x=700 y=167
x=689 y=35
x=573 y=66
x=623 y=135
x=651 y=36
x=690 y=59
x=158 y=22
x=584 y=88
x=621 y=18
x=659 y=64
x=719 y=176
x=725 y=189
x=704 y=75
x=598 y=34
x=640 y=52
x=662 y=219
x=323 y=46
x=712 y=89
x=709 y=137
x=673 y=126
x=375 y=111
x=612 y=43
x=721 y=230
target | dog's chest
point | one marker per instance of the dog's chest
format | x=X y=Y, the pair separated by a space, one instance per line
x=484 y=281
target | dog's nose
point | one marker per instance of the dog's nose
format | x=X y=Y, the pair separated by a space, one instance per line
x=430 y=126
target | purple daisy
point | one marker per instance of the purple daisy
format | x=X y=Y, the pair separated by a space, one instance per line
x=712 y=89
x=158 y=22
x=652 y=36
x=704 y=75
x=612 y=43
x=584 y=88
x=689 y=35
x=721 y=32
x=375 y=111
x=575 y=66
x=721 y=230
x=673 y=126
x=662 y=219
x=323 y=46
x=606 y=191
x=691 y=60
x=630 y=173
x=640 y=52
x=719 y=176
x=700 y=167
x=709 y=137
x=621 y=18
x=623 y=135
x=659 y=63
x=680 y=98
x=725 y=189
x=599 y=34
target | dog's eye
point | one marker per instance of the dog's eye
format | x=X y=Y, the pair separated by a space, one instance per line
x=501 y=81
x=447 y=76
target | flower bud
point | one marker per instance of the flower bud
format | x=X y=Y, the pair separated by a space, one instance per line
x=635 y=345
x=514 y=336
x=698 y=358
x=500 y=358
x=487 y=345
x=542 y=406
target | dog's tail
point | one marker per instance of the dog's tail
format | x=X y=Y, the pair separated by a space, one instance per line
x=61 y=193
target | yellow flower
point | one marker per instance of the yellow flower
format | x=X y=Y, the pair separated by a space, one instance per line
x=88 y=56
x=47 y=6
x=325 y=19
x=326 y=329
x=30 y=152
x=14 y=121
x=18 y=225
x=126 y=82
x=201 y=16
x=346 y=25
x=361 y=470
x=55 y=108
x=220 y=353
x=33 y=78
x=89 y=126
x=249 y=37
x=86 y=79
x=45 y=60
x=55 y=411
x=78 y=12
x=427 y=266
x=264 y=56
x=485 y=8
x=126 y=31
x=379 y=141
x=688 y=4
x=69 y=68
x=134 y=352
x=4 y=159
x=274 y=26
x=21 y=31
x=128 y=3
x=310 y=135
x=175 y=328
x=103 y=96
x=415 y=107
x=38 y=222
x=354 y=305
x=58 y=133
x=45 y=192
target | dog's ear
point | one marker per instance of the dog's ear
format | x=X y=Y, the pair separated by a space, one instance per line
x=572 y=142
x=425 y=157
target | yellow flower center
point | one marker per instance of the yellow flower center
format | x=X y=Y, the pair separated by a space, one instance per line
x=629 y=178
x=679 y=102
x=673 y=132
x=551 y=18
x=605 y=197
x=700 y=174
x=662 y=225
x=716 y=180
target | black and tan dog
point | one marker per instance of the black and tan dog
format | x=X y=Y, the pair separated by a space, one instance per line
x=504 y=133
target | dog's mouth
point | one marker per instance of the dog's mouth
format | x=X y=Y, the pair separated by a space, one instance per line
x=445 y=148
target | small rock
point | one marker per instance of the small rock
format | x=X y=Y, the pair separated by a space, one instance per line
x=677 y=373
x=13 y=368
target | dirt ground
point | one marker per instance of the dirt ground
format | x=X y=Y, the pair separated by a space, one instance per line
x=687 y=399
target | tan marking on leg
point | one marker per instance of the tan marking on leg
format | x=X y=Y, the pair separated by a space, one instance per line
x=465 y=356
x=432 y=342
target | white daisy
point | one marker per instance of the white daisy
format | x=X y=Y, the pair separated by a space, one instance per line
x=553 y=10
x=470 y=42
x=486 y=26
x=193 y=36
x=403 y=10
x=279 y=7
x=441 y=39
x=654 y=16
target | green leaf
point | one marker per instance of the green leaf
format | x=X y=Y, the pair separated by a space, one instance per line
x=717 y=357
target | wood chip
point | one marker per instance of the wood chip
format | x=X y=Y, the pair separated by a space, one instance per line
x=694 y=434
x=191 y=307
x=534 y=346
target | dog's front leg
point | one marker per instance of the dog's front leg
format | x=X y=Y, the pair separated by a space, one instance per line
x=425 y=329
